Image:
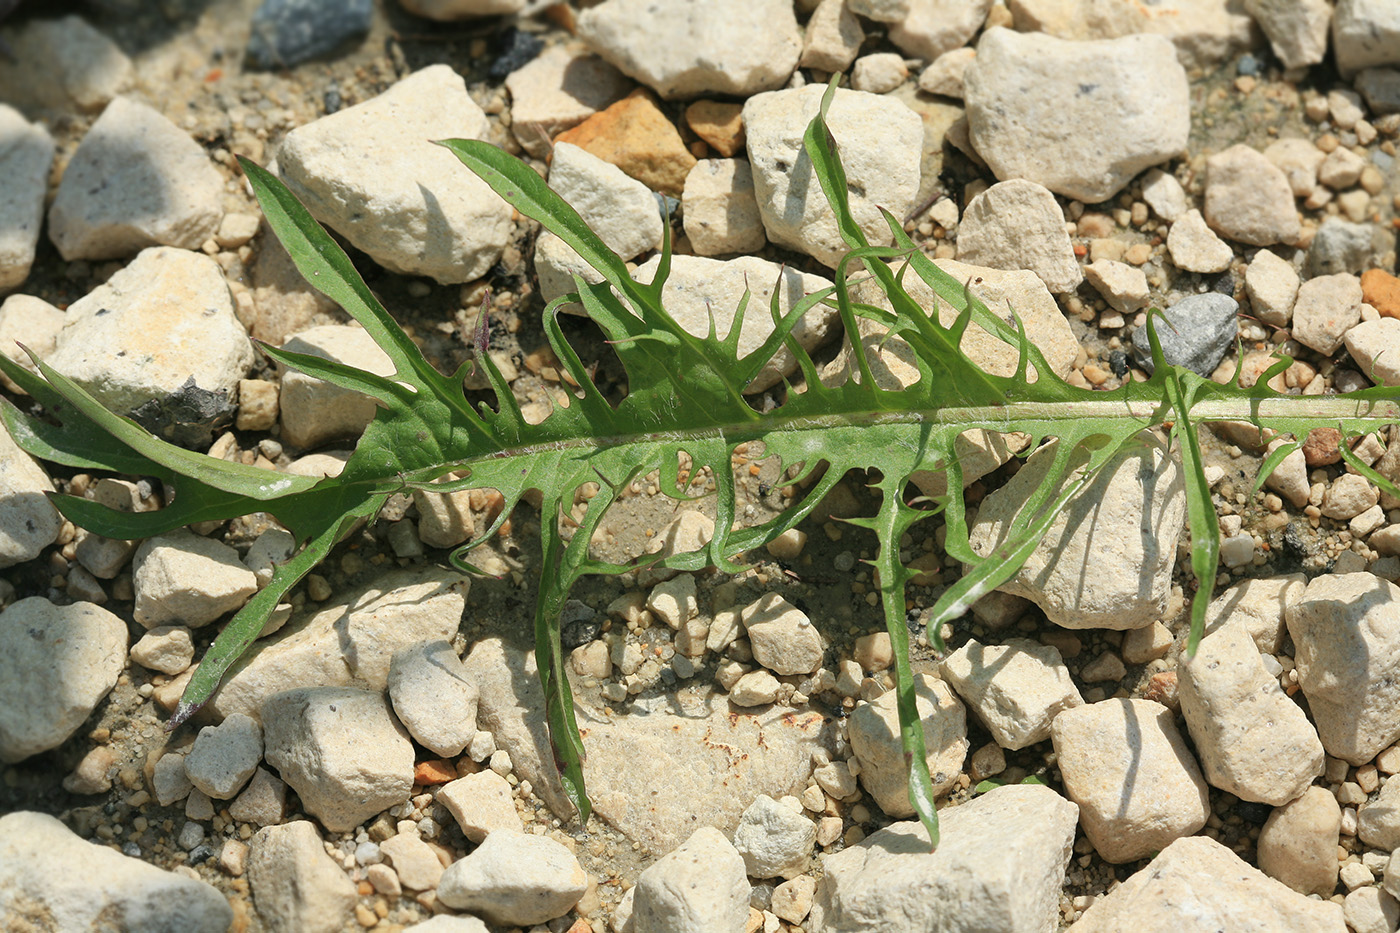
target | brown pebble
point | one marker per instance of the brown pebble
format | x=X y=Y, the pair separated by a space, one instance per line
x=433 y=771
x=1322 y=447
x=1381 y=290
x=1162 y=687
x=719 y=124
x=636 y=136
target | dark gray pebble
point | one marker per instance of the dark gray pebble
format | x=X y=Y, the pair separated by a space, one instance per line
x=1197 y=333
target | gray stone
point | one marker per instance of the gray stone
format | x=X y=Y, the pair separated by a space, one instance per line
x=1129 y=770
x=1253 y=741
x=1032 y=99
x=514 y=879
x=315 y=737
x=875 y=738
x=774 y=839
x=297 y=887
x=373 y=174
x=54 y=880
x=692 y=47
x=28 y=521
x=1016 y=688
x=1346 y=632
x=1137 y=502
x=657 y=771
x=285 y=33
x=1196 y=878
x=433 y=697
x=1248 y=198
x=1017 y=224
x=698 y=886
x=56 y=665
x=880 y=140
x=1298 y=843
x=136 y=180
x=448 y=10
x=1381 y=88
x=163 y=319
x=1339 y=246
x=350 y=643
x=999 y=865
x=185 y=579
x=1197 y=333
x=24 y=164
x=225 y=756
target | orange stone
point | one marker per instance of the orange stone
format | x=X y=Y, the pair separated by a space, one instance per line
x=635 y=135
x=1381 y=290
x=719 y=124
x=434 y=771
x=580 y=926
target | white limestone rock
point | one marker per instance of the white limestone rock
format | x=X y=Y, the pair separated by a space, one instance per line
x=874 y=734
x=348 y=643
x=1346 y=633
x=314 y=411
x=1032 y=100
x=1365 y=33
x=62 y=64
x=56 y=665
x=881 y=11
x=1017 y=224
x=1077 y=577
x=621 y=210
x=1296 y=29
x=1373 y=345
x=658 y=771
x=1164 y=194
x=698 y=886
x=137 y=180
x=945 y=75
x=832 y=38
x=1249 y=199
x=1124 y=287
x=687 y=48
x=720 y=209
x=514 y=879
x=1016 y=688
x=24 y=164
x=557 y=91
x=165 y=648
x=1129 y=770
x=33 y=322
x=297 y=887
x=1298 y=842
x=52 y=879
x=28 y=521
x=481 y=803
x=1206 y=33
x=880 y=140
x=557 y=264
x=168 y=316
x=999 y=865
x=699 y=288
x=1253 y=741
x=182 y=578
x=225 y=756
x=415 y=862
x=784 y=640
x=316 y=736
x=373 y=174
x=933 y=27
x=1272 y=286
x=774 y=839
x=1327 y=307
x=1258 y=604
x=1194 y=247
x=433 y=697
x=1378 y=820
x=1195 y=883
x=879 y=72
x=1299 y=160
